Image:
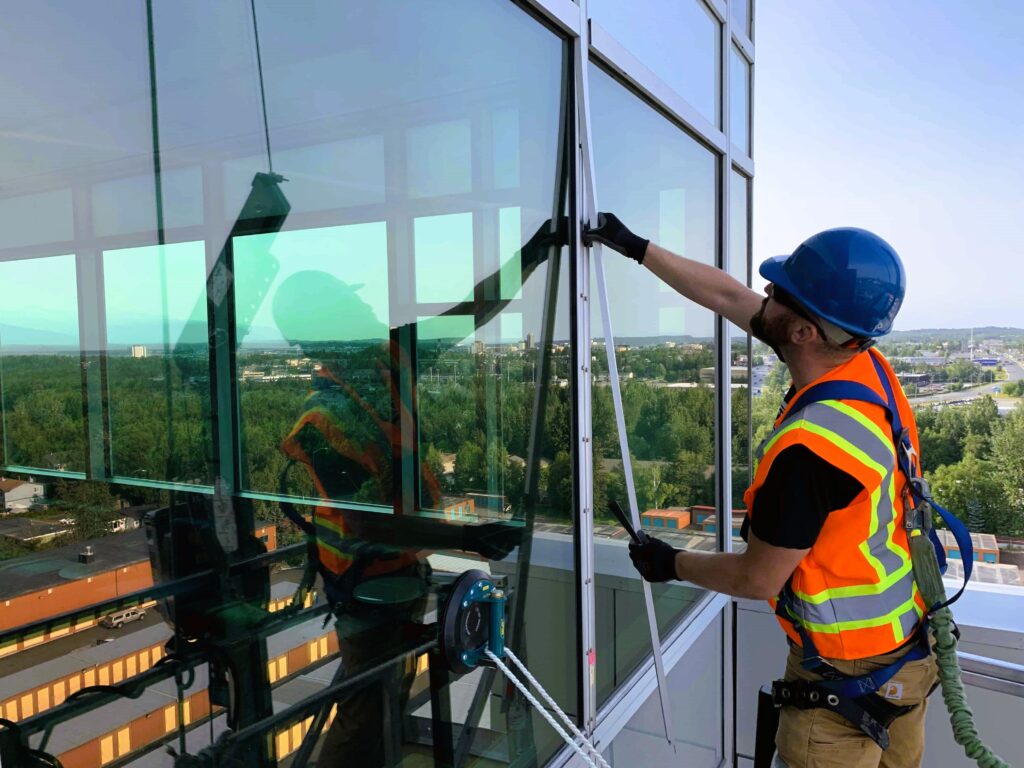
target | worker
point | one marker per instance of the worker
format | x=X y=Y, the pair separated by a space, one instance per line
x=825 y=512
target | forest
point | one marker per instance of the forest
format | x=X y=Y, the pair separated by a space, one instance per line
x=473 y=410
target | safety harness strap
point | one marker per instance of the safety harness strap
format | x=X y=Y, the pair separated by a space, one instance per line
x=870 y=713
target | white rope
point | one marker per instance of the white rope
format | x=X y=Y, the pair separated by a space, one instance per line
x=536 y=704
x=554 y=705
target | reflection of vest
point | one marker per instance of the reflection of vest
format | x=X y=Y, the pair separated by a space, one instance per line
x=347 y=449
x=854 y=593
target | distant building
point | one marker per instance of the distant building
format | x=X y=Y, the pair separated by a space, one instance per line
x=736 y=372
x=478 y=347
x=671 y=519
x=19 y=495
x=919 y=379
x=529 y=341
x=138 y=350
x=986 y=549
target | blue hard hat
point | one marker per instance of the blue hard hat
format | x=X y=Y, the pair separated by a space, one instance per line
x=848 y=276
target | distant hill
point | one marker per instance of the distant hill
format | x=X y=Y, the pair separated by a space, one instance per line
x=955 y=334
x=17 y=336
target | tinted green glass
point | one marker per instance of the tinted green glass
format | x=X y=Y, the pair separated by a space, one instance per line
x=158 y=362
x=661 y=183
x=309 y=280
x=41 y=375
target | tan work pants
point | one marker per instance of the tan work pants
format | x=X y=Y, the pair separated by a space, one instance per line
x=818 y=738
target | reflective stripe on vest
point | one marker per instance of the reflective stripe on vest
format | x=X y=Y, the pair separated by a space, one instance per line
x=881 y=608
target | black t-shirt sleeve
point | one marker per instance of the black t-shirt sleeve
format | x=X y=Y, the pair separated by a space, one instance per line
x=798 y=494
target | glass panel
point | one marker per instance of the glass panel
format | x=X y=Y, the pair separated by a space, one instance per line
x=158 y=363
x=128 y=205
x=41 y=373
x=739 y=267
x=741 y=15
x=666 y=357
x=695 y=695
x=389 y=363
x=340 y=312
x=739 y=100
x=678 y=40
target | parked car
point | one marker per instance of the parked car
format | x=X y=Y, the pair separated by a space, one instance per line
x=118 y=619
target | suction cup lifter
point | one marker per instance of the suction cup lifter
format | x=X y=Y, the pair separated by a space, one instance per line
x=472 y=622
x=472 y=633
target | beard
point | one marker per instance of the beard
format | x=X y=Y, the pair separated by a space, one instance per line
x=771 y=332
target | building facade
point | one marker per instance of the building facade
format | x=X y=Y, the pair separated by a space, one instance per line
x=341 y=244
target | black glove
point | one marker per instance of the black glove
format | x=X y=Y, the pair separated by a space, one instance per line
x=535 y=251
x=655 y=559
x=492 y=541
x=613 y=233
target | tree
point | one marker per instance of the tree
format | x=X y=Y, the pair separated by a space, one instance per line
x=1008 y=459
x=971 y=490
x=559 y=485
x=470 y=468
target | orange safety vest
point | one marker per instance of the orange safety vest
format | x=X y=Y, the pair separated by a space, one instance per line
x=372 y=456
x=854 y=592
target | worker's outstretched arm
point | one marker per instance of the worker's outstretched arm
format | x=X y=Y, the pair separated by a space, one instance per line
x=706 y=285
x=759 y=572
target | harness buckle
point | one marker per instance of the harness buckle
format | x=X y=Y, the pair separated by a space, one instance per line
x=918 y=514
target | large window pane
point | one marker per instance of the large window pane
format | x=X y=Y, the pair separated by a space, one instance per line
x=741 y=15
x=158 y=362
x=41 y=375
x=739 y=100
x=678 y=40
x=315 y=287
x=666 y=358
x=389 y=363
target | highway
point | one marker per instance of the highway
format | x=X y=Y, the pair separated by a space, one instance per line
x=1014 y=372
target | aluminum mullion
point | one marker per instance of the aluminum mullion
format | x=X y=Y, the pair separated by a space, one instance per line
x=564 y=14
x=723 y=397
x=750 y=109
x=743 y=164
x=616 y=56
x=584 y=446
x=743 y=43
x=718 y=8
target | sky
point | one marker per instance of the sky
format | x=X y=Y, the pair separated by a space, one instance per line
x=904 y=118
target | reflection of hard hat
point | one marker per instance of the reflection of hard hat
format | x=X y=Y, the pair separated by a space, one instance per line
x=848 y=276
x=316 y=306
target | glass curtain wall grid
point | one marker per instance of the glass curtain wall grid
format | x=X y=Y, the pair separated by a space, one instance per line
x=297 y=337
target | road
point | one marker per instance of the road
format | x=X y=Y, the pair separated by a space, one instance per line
x=1014 y=372
x=97 y=635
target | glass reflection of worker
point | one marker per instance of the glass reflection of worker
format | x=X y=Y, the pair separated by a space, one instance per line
x=825 y=527
x=349 y=440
